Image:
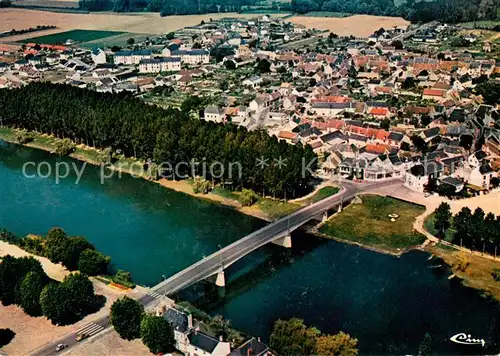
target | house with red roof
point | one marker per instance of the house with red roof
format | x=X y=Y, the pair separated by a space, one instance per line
x=434 y=94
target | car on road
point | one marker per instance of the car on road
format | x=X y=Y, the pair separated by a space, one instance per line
x=80 y=337
x=59 y=347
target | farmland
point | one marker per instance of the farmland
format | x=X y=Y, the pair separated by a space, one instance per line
x=356 y=25
x=75 y=35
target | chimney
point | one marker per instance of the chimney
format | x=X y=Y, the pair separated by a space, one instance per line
x=190 y=321
x=258 y=338
x=221 y=339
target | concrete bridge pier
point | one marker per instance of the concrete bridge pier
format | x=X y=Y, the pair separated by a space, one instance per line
x=285 y=241
x=324 y=218
x=220 y=281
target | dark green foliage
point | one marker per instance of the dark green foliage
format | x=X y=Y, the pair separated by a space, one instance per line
x=126 y=315
x=55 y=243
x=118 y=121
x=292 y=337
x=29 y=292
x=92 y=262
x=6 y=335
x=71 y=300
x=55 y=305
x=477 y=230
x=12 y=272
x=425 y=347
x=73 y=247
x=124 y=278
x=263 y=66
x=496 y=274
x=157 y=334
x=490 y=92
x=442 y=219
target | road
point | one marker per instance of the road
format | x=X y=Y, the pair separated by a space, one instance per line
x=210 y=265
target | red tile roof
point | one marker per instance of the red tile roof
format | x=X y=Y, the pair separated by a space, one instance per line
x=435 y=92
x=380 y=149
x=287 y=135
x=379 y=111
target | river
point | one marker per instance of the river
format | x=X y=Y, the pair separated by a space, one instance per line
x=386 y=302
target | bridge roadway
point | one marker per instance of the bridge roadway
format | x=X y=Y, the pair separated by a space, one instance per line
x=223 y=258
x=211 y=265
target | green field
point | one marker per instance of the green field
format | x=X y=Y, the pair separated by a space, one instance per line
x=369 y=224
x=327 y=14
x=480 y=24
x=75 y=35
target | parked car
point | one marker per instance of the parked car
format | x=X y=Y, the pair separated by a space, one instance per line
x=59 y=347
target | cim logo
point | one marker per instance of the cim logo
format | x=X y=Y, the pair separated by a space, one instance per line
x=465 y=339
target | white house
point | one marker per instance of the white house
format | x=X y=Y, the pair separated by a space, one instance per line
x=98 y=56
x=156 y=65
x=417 y=177
x=253 y=82
x=192 y=56
x=331 y=109
x=214 y=113
x=131 y=57
x=201 y=344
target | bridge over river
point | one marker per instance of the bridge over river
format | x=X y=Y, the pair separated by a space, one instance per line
x=277 y=232
x=214 y=265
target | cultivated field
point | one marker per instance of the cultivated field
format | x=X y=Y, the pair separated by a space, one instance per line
x=75 y=35
x=146 y=23
x=357 y=25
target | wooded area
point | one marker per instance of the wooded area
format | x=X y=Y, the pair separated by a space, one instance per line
x=133 y=128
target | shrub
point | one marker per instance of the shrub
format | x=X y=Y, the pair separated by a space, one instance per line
x=496 y=274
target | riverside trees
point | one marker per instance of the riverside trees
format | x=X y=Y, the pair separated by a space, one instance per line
x=293 y=337
x=130 y=322
x=170 y=136
x=23 y=282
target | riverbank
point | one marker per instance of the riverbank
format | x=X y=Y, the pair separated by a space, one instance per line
x=378 y=223
x=264 y=208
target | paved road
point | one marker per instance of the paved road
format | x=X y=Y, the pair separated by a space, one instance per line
x=210 y=265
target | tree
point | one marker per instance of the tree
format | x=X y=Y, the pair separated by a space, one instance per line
x=490 y=91
x=419 y=143
x=425 y=347
x=248 y=197
x=220 y=326
x=170 y=35
x=92 y=263
x=55 y=305
x=6 y=335
x=397 y=44
x=71 y=300
x=263 y=66
x=292 y=337
x=30 y=289
x=385 y=124
x=130 y=41
x=425 y=120
x=408 y=83
x=126 y=315
x=64 y=147
x=466 y=141
x=73 y=247
x=230 y=64
x=442 y=216
x=157 y=334
x=12 y=272
x=463 y=226
x=339 y=344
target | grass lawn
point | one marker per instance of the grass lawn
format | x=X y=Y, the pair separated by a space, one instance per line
x=272 y=208
x=481 y=24
x=477 y=275
x=75 y=35
x=321 y=194
x=429 y=226
x=369 y=224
